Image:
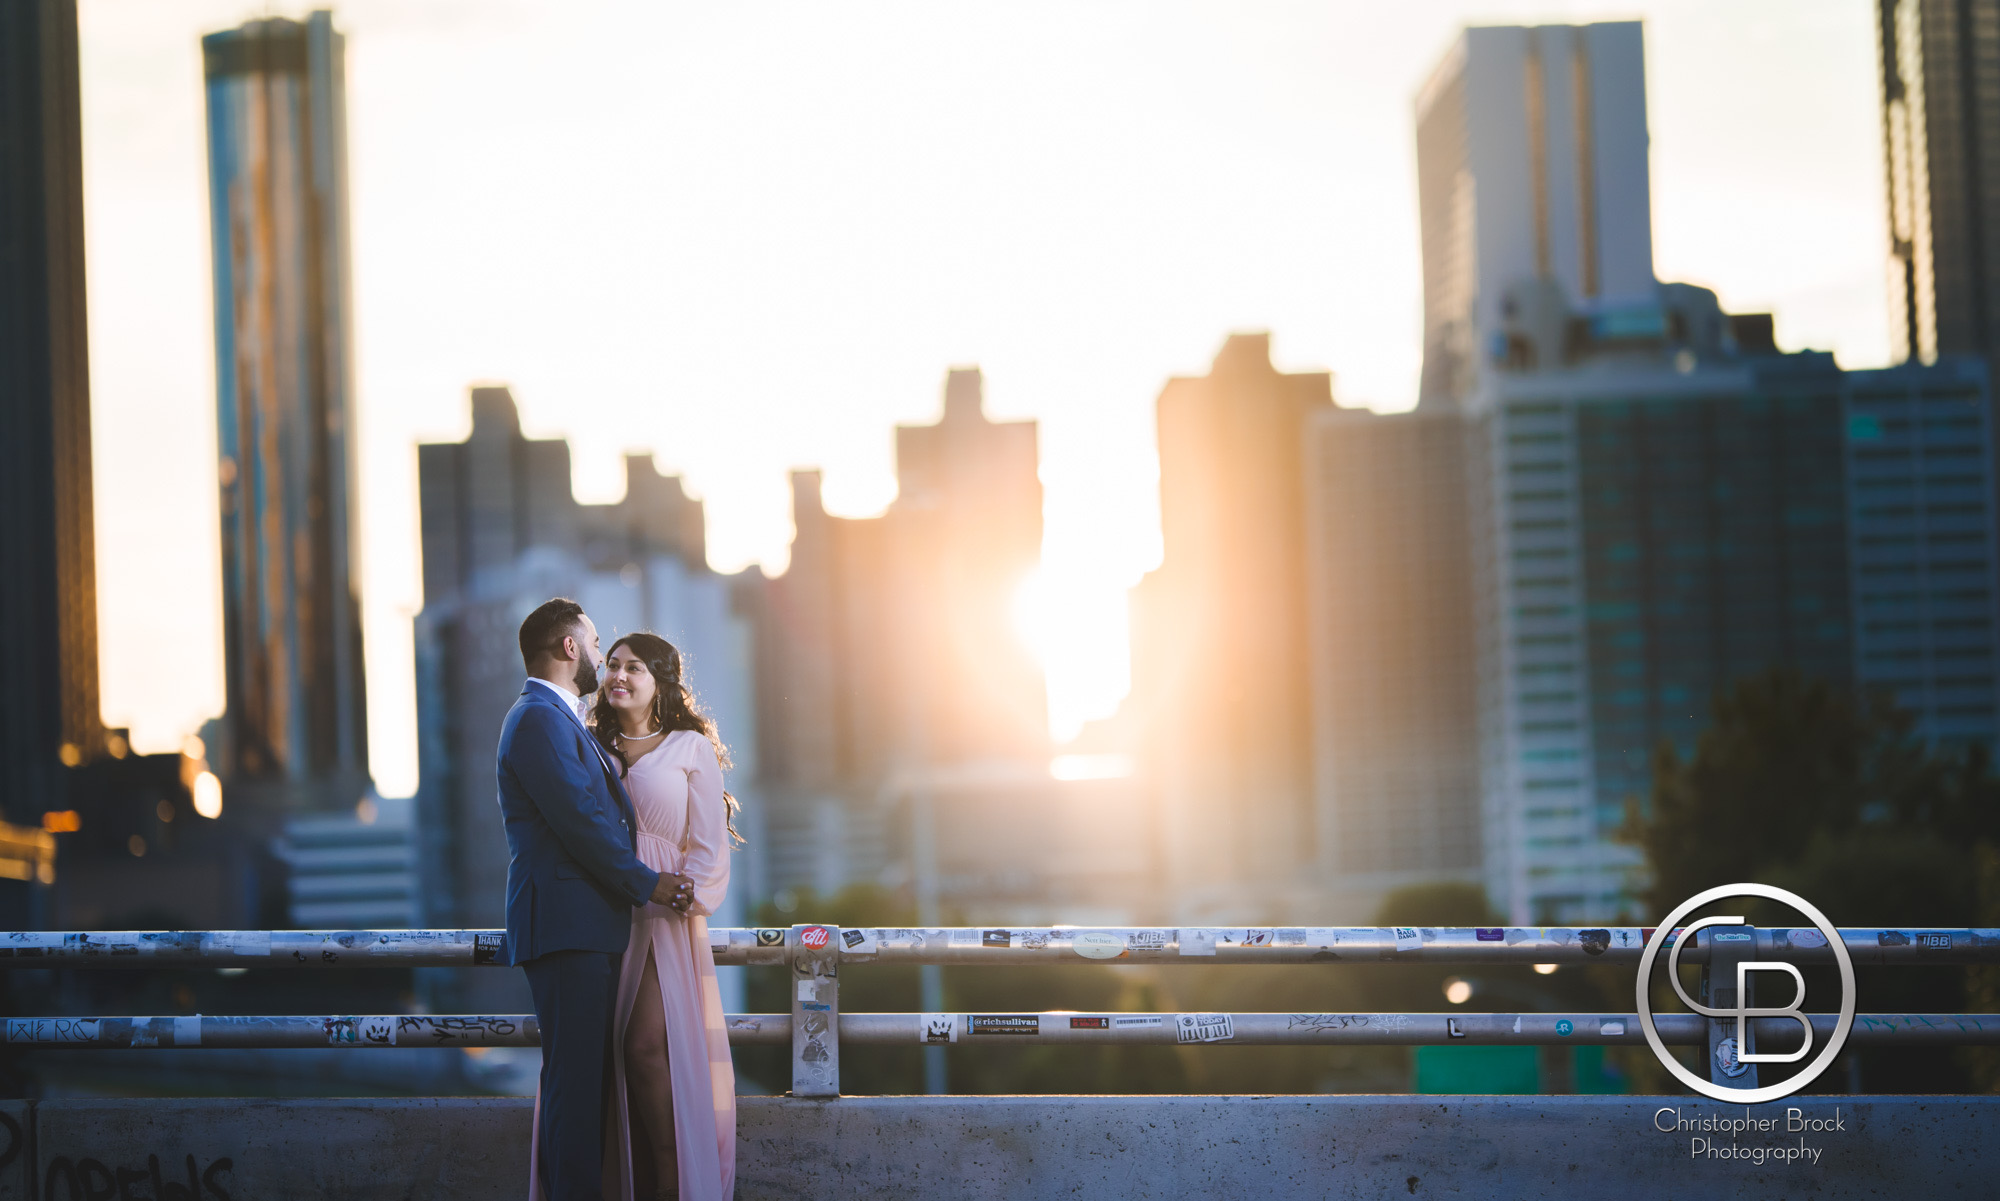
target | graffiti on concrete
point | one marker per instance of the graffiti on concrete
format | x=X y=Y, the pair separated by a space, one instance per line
x=89 y=1179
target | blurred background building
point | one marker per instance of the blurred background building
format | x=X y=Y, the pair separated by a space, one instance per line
x=1940 y=91
x=49 y=718
x=1392 y=653
x=1531 y=164
x=1220 y=691
x=295 y=726
x=905 y=718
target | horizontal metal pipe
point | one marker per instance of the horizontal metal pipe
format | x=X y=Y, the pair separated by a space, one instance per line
x=1236 y=1029
x=999 y=945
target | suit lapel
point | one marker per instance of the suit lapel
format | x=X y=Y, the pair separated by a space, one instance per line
x=615 y=785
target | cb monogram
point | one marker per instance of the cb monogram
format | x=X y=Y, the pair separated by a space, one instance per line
x=1742 y=1012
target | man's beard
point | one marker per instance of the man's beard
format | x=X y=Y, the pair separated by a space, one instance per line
x=585 y=678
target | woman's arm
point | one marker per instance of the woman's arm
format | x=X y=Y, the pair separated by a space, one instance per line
x=708 y=833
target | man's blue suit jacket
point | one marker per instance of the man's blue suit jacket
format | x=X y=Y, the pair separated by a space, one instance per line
x=573 y=877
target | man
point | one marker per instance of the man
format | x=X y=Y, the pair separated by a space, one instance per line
x=573 y=881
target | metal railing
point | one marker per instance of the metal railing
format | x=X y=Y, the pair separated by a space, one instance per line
x=815 y=1028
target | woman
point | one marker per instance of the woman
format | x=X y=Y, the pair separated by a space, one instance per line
x=671 y=1121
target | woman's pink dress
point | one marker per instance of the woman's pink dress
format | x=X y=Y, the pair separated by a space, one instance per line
x=677 y=794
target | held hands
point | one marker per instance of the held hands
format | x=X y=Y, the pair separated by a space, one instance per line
x=674 y=891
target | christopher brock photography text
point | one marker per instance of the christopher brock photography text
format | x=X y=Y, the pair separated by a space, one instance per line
x=1703 y=1130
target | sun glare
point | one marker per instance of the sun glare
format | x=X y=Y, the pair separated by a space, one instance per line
x=1075 y=625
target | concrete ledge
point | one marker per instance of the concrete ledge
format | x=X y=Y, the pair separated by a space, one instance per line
x=1031 y=1148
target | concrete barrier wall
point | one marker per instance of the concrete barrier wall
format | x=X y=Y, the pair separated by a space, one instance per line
x=1030 y=1148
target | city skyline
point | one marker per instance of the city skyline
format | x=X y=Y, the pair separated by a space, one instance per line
x=1293 y=245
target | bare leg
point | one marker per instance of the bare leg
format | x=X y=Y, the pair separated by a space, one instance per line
x=650 y=1092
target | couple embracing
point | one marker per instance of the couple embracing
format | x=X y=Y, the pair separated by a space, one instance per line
x=619 y=832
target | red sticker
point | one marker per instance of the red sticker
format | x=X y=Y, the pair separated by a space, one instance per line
x=814 y=937
x=1090 y=1023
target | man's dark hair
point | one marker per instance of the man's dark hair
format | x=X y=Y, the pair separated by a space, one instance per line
x=551 y=622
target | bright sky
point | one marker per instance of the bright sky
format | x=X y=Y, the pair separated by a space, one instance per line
x=754 y=238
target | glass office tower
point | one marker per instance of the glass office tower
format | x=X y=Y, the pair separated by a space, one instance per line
x=284 y=406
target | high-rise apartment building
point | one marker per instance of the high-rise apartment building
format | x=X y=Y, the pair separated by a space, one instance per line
x=1531 y=164
x=48 y=573
x=1392 y=652
x=296 y=720
x=1921 y=548
x=1660 y=517
x=1220 y=684
x=1940 y=67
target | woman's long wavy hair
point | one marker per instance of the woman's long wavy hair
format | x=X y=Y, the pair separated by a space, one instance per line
x=674 y=708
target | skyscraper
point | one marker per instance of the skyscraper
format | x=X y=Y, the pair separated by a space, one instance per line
x=1531 y=164
x=1220 y=687
x=1659 y=518
x=297 y=706
x=1392 y=651
x=48 y=590
x=1941 y=131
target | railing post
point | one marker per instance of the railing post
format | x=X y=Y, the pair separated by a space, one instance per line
x=815 y=955
x=1727 y=947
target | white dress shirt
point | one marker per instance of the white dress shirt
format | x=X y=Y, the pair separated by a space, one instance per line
x=570 y=700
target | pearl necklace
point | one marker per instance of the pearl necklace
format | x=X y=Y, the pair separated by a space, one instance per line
x=638 y=737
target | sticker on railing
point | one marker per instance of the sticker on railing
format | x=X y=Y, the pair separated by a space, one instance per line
x=859 y=942
x=937 y=1027
x=995 y=938
x=486 y=948
x=1098 y=944
x=239 y=942
x=1407 y=939
x=1726 y=1060
x=1090 y=1023
x=718 y=938
x=1003 y=1023
x=1195 y=941
x=1808 y=938
x=769 y=937
x=378 y=1031
x=1138 y=1021
x=1203 y=1028
x=28 y=944
x=815 y=938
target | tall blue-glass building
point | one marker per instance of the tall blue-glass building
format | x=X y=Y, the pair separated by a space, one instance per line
x=285 y=411
x=1668 y=505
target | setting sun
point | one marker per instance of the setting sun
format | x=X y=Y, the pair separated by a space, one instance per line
x=1076 y=626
